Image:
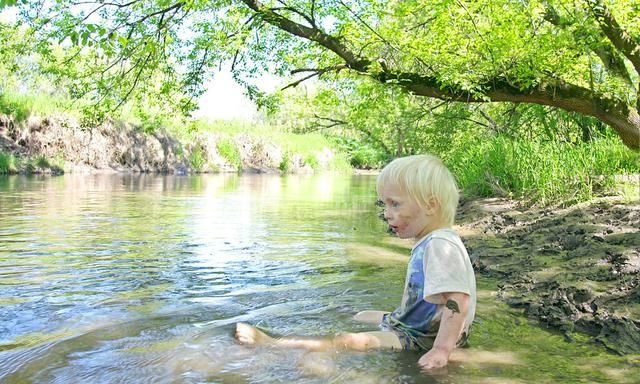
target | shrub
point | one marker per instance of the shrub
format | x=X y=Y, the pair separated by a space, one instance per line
x=7 y=163
x=196 y=159
x=230 y=152
x=312 y=161
x=285 y=164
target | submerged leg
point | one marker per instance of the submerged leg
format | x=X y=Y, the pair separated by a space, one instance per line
x=249 y=335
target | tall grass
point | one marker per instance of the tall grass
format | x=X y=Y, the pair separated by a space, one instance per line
x=8 y=163
x=543 y=172
x=230 y=152
x=21 y=106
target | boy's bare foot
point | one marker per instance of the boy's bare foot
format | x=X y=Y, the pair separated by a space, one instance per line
x=249 y=335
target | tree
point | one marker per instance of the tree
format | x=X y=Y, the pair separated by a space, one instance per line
x=581 y=56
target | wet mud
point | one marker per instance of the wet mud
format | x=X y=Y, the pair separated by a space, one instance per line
x=575 y=270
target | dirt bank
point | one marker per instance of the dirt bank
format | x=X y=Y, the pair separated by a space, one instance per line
x=574 y=269
x=60 y=144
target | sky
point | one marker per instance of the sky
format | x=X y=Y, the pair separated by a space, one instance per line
x=225 y=99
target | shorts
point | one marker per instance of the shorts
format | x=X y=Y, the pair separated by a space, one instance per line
x=410 y=342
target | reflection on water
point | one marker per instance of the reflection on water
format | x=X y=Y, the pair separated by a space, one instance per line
x=121 y=278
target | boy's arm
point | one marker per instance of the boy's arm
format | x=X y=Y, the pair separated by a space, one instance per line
x=451 y=323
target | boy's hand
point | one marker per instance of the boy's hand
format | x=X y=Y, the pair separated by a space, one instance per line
x=435 y=358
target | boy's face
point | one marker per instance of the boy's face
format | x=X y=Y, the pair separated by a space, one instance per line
x=405 y=216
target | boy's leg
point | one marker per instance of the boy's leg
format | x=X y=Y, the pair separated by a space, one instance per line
x=370 y=317
x=363 y=341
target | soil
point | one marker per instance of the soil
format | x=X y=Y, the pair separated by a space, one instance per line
x=115 y=146
x=574 y=269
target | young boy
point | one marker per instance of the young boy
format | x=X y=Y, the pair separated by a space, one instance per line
x=438 y=305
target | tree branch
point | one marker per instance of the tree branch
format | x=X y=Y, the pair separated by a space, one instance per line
x=315 y=72
x=135 y=82
x=313 y=34
x=555 y=93
x=334 y=122
x=287 y=7
x=367 y=25
x=612 y=60
x=175 y=6
x=616 y=34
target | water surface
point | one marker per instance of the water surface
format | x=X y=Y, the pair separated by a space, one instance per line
x=140 y=278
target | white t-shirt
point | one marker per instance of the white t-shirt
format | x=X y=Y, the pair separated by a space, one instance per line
x=439 y=263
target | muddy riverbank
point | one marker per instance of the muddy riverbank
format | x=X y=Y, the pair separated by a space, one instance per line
x=60 y=144
x=574 y=269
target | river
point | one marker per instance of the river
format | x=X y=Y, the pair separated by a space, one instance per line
x=141 y=278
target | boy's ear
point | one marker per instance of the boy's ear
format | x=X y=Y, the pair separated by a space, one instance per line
x=432 y=206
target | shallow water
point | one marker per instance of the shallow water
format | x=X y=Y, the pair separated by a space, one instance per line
x=121 y=278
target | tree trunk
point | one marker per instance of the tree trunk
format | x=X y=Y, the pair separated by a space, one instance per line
x=627 y=127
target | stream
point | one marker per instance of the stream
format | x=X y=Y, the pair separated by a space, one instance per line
x=141 y=278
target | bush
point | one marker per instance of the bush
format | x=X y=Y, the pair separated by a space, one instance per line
x=230 y=152
x=365 y=157
x=7 y=163
x=285 y=164
x=196 y=159
x=312 y=161
x=361 y=155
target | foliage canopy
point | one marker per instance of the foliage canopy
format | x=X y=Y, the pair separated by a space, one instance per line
x=581 y=56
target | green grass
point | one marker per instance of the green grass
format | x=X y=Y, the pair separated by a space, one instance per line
x=230 y=152
x=544 y=172
x=197 y=159
x=8 y=163
x=12 y=164
x=285 y=164
x=21 y=106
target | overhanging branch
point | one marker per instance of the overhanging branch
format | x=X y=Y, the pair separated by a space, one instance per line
x=616 y=34
x=309 y=33
x=314 y=72
x=624 y=119
x=612 y=60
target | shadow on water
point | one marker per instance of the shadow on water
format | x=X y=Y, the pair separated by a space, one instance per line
x=142 y=278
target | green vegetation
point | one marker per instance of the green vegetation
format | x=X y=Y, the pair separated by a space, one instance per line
x=361 y=155
x=304 y=145
x=197 y=160
x=20 y=106
x=230 y=152
x=284 y=164
x=7 y=163
x=529 y=152
x=517 y=112
x=543 y=172
x=580 y=57
x=10 y=164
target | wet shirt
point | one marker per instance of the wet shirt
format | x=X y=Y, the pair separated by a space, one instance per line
x=439 y=263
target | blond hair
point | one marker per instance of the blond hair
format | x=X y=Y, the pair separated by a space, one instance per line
x=423 y=178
